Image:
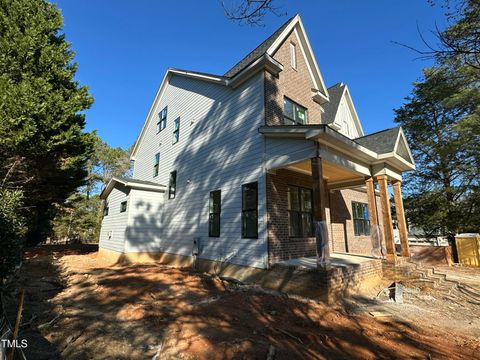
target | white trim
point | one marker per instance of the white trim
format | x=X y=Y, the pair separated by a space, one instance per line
x=306 y=49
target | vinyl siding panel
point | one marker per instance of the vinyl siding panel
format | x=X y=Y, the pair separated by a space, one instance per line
x=144 y=221
x=219 y=148
x=283 y=152
x=115 y=222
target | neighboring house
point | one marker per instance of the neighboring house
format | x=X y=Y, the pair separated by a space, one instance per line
x=229 y=166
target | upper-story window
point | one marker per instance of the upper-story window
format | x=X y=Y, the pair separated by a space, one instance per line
x=176 y=131
x=156 y=164
x=123 y=206
x=294 y=114
x=293 y=55
x=162 y=119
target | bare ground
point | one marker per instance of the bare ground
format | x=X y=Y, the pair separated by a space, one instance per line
x=86 y=309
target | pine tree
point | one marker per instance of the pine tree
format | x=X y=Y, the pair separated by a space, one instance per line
x=41 y=119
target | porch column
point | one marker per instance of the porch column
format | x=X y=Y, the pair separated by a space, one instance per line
x=372 y=206
x=402 y=224
x=319 y=214
x=387 y=218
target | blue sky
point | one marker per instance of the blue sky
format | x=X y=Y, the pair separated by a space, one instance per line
x=124 y=48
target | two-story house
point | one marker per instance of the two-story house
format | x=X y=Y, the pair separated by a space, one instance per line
x=257 y=166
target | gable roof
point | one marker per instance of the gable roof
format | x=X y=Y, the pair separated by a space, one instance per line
x=258 y=51
x=381 y=142
x=337 y=92
x=130 y=183
x=271 y=45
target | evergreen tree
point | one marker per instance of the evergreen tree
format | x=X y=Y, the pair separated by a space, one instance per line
x=41 y=119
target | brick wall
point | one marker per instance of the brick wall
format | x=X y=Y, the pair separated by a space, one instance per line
x=295 y=84
x=280 y=245
x=342 y=222
x=339 y=219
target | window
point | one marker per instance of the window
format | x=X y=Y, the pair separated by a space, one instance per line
x=361 y=224
x=214 y=208
x=123 y=206
x=176 y=131
x=156 y=164
x=172 y=185
x=293 y=114
x=162 y=120
x=249 y=210
x=293 y=55
x=105 y=210
x=300 y=212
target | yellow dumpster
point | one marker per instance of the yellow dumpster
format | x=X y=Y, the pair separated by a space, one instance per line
x=468 y=249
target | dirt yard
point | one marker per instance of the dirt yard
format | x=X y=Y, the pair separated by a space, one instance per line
x=80 y=308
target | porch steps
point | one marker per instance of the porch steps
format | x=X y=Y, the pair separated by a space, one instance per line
x=427 y=276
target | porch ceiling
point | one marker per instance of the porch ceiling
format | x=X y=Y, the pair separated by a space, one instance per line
x=331 y=172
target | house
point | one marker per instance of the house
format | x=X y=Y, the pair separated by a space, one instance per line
x=258 y=166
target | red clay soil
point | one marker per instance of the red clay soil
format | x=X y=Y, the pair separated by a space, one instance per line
x=151 y=311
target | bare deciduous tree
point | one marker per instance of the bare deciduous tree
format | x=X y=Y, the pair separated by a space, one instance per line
x=250 y=12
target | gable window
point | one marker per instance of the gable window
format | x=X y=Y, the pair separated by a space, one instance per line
x=293 y=55
x=176 y=131
x=172 y=185
x=156 y=164
x=214 y=208
x=162 y=119
x=250 y=210
x=123 y=206
x=300 y=212
x=361 y=224
x=105 y=210
x=293 y=114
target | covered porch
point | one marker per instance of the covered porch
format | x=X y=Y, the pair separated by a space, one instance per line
x=350 y=200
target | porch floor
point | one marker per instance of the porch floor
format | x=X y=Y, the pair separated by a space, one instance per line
x=337 y=259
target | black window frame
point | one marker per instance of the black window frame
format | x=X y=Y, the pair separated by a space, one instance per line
x=156 y=165
x=361 y=224
x=293 y=121
x=214 y=214
x=249 y=210
x=300 y=214
x=123 y=206
x=176 y=131
x=172 y=185
x=162 y=119
x=105 y=210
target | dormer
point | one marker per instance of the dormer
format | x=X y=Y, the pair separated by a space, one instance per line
x=340 y=113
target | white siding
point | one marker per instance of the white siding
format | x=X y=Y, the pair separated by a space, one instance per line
x=219 y=148
x=345 y=120
x=144 y=221
x=284 y=152
x=115 y=223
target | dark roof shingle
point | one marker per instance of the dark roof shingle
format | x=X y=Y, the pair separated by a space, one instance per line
x=257 y=52
x=381 y=142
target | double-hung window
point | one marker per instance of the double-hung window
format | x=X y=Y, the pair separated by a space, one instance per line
x=361 y=222
x=176 y=131
x=214 y=209
x=294 y=114
x=162 y=119
x=300 y=212
x=172 y=185
x=156 y=164
x=250 y=210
